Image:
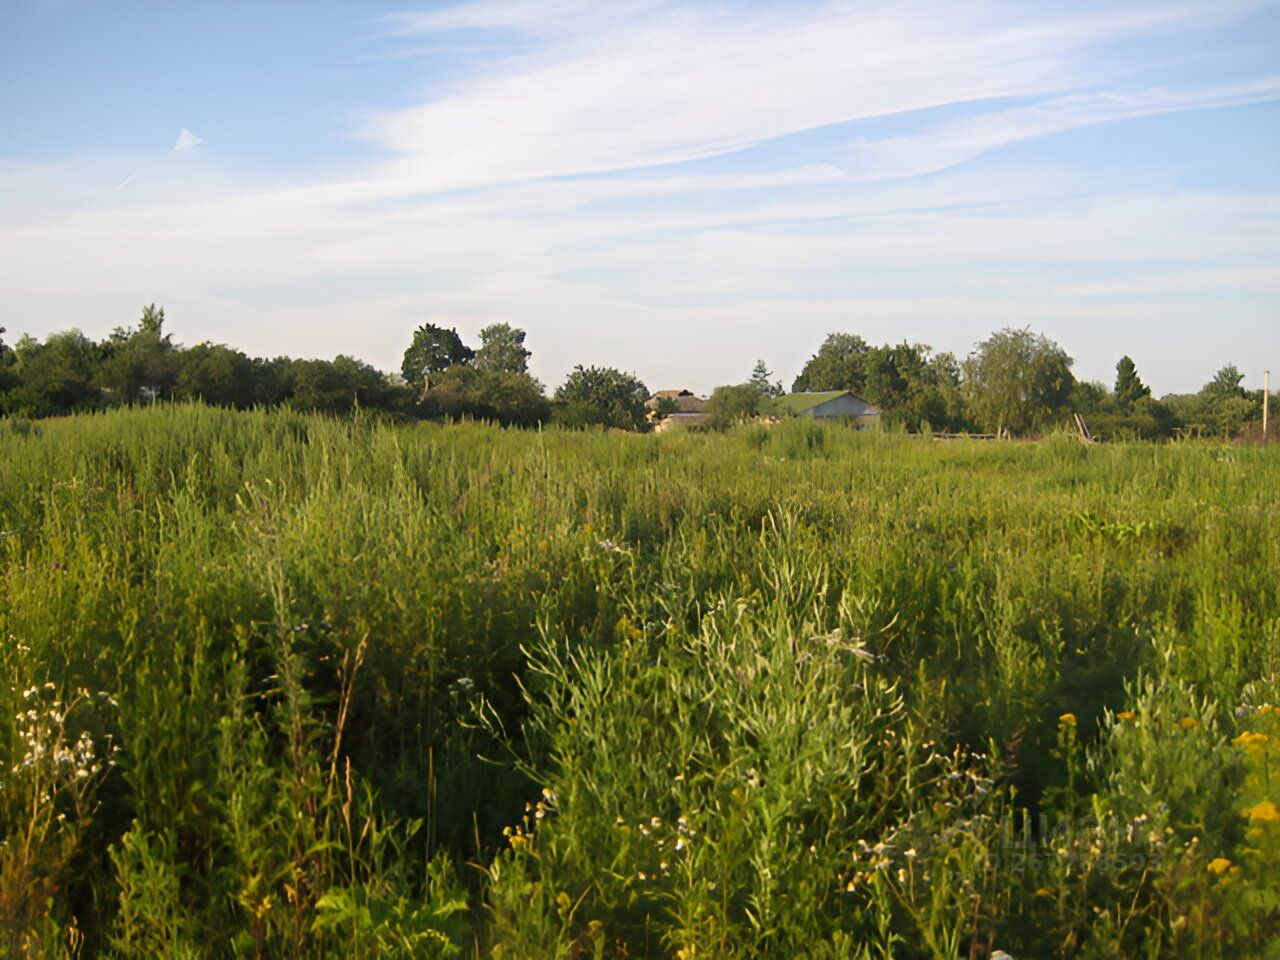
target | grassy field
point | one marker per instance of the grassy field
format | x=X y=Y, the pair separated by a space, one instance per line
x=279 y=685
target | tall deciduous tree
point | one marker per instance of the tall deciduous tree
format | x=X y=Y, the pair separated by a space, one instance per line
x=838 y=365
x=55 y=376
x=142 y=363
x=502 y=349
x=1129 y=386
x=602 y=396
x=1017 y=380
x=433 y=350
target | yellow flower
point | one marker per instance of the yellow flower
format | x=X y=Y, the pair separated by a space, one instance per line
x=1219 y=865
x=562 y=900
x=1126 y=715
x=1067 y=719
x=1188 y=723
x=1044 y=892
x=1265 y=812
x=1249 y=740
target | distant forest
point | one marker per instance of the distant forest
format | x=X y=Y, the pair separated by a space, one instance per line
x=1016 y=382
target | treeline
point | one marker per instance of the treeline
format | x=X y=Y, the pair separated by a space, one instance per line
x=1015 y=382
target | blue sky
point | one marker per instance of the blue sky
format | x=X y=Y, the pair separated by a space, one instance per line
x=676 y=189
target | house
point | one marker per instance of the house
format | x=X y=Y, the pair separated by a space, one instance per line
x=830 y=405
x=684 y=409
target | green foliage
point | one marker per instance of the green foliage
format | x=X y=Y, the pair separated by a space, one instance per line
x=140 y=365
x=54 y=377
x=731 y=405
x=502 y=349
x=433 y=350
x=601 y=396
x=364 y=688
x=221 y=376
x=1129 y=386
x=1017 y=381
x=337 y=386
x=760 y=379
x=839 y=364
x=480 y=393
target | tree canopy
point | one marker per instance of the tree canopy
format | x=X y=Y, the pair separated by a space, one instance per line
x=838 y=365
x=433 y=350
x=502 y=349
x=1016 y=381
x=602 y=396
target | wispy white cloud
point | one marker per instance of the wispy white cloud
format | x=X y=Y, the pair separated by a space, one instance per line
x=955 y=142
x=641 y=84
x=186 y=141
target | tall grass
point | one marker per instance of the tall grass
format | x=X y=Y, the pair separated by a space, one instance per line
x=276 y=685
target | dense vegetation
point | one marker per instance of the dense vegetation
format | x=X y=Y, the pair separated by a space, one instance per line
x=1014 y=382
x=281 y=685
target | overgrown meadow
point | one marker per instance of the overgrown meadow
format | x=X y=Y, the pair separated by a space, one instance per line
x=278 y=685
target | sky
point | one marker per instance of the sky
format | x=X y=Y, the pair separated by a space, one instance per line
x=675 y=189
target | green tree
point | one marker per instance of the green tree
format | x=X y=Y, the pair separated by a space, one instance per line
x=1226 y=382
x=601 y=396
x=502 y=349
x=1016 y=381
x=338 y=385
x=730 y=405
x=8 y=373
x=760 y=379
x=501 y=396
x=838 y=365
x=433 y=350
x=1129 y=386
x=218 y=375
x=140 y=364
x=54 y=377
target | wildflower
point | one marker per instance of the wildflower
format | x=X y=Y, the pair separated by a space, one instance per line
x=655 y=822
x=910 y=853
x=1067 y=720
x=1044 y=892
x=1188 y=723
x=1264 y=812
x=1249 y=740
x=562 y=900
x=1219 y=865
x=1126 y=715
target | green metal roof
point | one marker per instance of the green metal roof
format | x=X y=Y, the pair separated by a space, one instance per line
x=798 y=403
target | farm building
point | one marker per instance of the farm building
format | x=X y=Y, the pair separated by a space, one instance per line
x=685 y=401
x=688 y=409
x=830 y=405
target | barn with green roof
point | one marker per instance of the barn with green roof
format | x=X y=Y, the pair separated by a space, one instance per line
x=830 y=405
